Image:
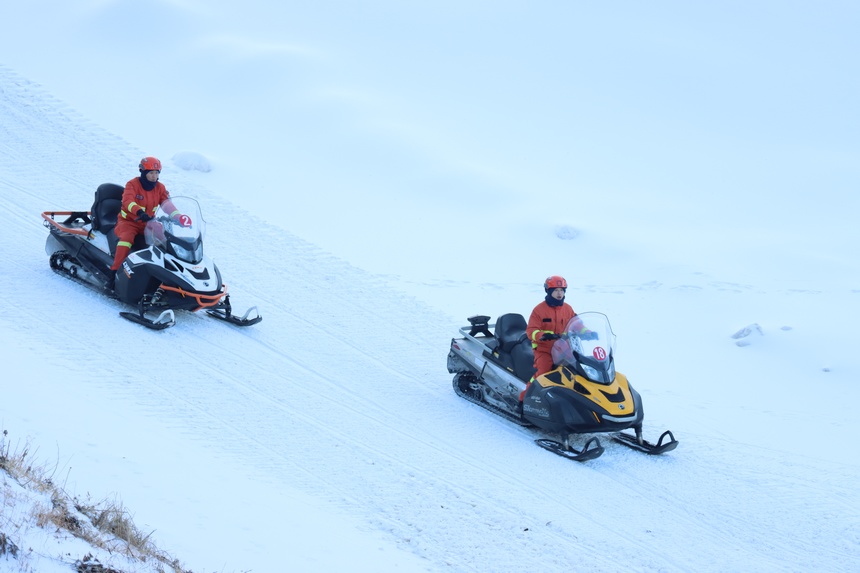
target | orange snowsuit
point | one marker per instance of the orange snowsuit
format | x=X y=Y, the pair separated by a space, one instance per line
x=546 y=319
x=134 y=198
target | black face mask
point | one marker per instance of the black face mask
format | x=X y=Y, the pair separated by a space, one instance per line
x=146 y=183
x=550 y=300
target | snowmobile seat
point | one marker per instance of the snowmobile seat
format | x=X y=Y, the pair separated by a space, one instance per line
x=139 y=242
x=513 y=342
x=106 y=207
x=509 y=329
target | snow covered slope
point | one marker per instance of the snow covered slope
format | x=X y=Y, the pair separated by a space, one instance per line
x=327 y=437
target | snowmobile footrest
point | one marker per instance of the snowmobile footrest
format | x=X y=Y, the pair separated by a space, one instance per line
x=592 y=449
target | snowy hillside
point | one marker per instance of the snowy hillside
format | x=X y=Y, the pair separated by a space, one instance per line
x=373 y=173
x=333 y=420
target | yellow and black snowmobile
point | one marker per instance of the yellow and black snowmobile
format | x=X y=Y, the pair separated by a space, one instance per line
x=583 y=394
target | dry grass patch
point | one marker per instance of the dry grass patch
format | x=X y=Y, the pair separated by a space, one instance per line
x=104 y=525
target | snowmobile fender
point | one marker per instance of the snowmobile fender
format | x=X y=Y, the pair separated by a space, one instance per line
x=455 y=363
x=145 y=270
x=53 y=245
x=131 y=285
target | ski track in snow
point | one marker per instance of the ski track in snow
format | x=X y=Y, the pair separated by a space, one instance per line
x=342 y=392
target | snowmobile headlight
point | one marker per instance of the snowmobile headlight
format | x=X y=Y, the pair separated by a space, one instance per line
x=591 y=373
x=189 y=253
x=599 y=375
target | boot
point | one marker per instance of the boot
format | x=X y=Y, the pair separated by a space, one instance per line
x=110 y=283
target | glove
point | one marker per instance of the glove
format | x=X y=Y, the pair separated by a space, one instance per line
x=549 y=336
x=588 y=335
x=142 y=216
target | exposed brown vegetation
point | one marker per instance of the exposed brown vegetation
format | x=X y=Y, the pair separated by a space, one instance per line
x=105 y=525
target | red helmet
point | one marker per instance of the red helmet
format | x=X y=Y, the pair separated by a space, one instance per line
x=150 y=164
x=554 y=282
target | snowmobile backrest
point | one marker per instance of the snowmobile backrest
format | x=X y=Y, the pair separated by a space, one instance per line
x=510 y=329
x=106 y=207
x=515 y=351
x=480 y=325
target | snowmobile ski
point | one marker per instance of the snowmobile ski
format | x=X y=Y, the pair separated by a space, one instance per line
x=225 y=312
x=165 y=320
x=647 y=447
x=592 y=449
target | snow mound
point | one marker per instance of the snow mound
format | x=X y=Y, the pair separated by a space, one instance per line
x=566 y=232
x=192 y=161
x=743 y=335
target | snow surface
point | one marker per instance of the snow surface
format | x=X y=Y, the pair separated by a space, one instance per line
x=372 y=175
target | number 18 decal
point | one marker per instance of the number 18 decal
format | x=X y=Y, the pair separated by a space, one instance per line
x=599 y=353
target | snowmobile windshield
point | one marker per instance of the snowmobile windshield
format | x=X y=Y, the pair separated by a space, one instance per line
x=178 y=232
x=587 y=347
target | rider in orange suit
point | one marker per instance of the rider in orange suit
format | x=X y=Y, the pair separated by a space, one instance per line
x=141 y=197
x=547 y=322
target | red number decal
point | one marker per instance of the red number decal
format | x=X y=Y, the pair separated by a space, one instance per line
x=599 y=353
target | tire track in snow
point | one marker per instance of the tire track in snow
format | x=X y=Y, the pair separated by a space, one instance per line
x=357 y=458
x=608 y=527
